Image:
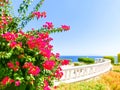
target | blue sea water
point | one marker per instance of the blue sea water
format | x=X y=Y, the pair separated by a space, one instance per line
x=75 y=58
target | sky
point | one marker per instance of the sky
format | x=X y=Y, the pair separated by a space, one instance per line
x=95 y=25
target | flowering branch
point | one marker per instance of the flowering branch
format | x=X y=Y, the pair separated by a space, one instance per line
x=26 y=19
x=26 y=58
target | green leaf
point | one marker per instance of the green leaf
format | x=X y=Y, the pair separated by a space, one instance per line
x=32 y=77
x=28 y=78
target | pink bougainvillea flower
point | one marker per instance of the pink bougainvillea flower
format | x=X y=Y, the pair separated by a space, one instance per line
x=27 y=65
x=17 y=63
x=37 y=14
x=10 y=36
x=16 y=68
x=31 y=42
x=58 y=73
x=1 y=27
x=45 y=83
x=65 y=27
x=13 y=44
x=3 y=17
x=11 y=81
x=57 y=55
x=7 y=80
x=34 y=70
x=43 y=14
x=46 y=53
x=5 y=22
x=48 y=25
x=49 y=47
x=43 y=35
x=49 y=64
x=6 y=1
x=12 y=66
x=33 y=29
x=65 y=62
x=17 y=83
x=46 y=88
x=21 y=32
x=41 y=43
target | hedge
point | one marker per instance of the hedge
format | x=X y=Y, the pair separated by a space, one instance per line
x=109 y=57
x=86 y=60
x=118 y=55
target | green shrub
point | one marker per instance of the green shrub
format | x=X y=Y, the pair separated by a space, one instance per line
x=118 y=57
x=76 y=64
x=109 y=57
x=86 y=60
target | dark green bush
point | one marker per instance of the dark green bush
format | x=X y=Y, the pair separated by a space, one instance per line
x=86 y=60
x=76 y=64
x=109 y=57
x=118 y=55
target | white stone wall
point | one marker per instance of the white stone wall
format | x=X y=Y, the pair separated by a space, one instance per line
x=78 y=73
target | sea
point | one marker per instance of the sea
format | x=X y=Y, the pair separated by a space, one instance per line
x=75 y=58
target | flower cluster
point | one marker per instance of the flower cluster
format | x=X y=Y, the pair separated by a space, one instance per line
x=65 y=27
x=49 y=64
x=65 y=62
x=46 y=85
x=39 y=14
x=4 y=21
x=15 y=44
x=10 y=36
x=34 y=70
x=7 y=80
x=58 y=73
x=12 y=66
x=48 y=25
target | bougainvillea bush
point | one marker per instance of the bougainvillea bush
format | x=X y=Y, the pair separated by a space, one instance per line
x=26 y=58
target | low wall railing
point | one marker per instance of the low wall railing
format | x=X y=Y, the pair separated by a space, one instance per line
x=78 y=73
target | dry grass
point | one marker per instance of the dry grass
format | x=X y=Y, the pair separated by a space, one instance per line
x=116 y=68
x=112 y=78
